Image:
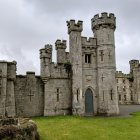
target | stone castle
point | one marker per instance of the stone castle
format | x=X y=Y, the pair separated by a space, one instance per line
x=83 y=82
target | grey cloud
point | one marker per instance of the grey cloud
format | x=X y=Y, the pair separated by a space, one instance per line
x=26 y=25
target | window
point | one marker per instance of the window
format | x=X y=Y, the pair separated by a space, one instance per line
x=111 y=94
x=124 y=88
x=124 y=81
x=57 y=97
x=117 y=88
x=124 y=97
x=77 y=95
x=57 y=90
x=103 y=95
x=57 y=94
x=119 y=97
x=117 y=80
x=88 y=58
x=131 y=97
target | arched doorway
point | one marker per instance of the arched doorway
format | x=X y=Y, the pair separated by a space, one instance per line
x=89 y=102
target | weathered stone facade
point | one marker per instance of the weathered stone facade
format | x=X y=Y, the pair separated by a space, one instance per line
x=84 y=81
x=128 y=85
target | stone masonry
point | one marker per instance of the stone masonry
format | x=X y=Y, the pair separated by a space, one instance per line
x=128 y=85
x=84 y=80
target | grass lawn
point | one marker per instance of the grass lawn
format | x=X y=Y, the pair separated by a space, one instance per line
x=89 y=128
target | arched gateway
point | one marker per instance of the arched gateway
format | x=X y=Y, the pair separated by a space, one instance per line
x=89 y=102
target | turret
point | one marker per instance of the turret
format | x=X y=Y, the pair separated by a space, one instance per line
x=60 y=47
x=74 y=31
x=72 y=26
x=133 y=64
x=45 y=60
x=103 y=28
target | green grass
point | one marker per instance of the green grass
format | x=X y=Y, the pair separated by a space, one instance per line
x=89 y=128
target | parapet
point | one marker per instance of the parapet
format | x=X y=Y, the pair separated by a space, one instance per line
x=11 y=70
x=72 y=26
x=46 y=52
x=105 y=20
x=3 y=61
x=133 y=61
x=120 y=74
x=133 y=64
x=60 y=44
x=12 y=63
x=88 y=41
x=30 y=74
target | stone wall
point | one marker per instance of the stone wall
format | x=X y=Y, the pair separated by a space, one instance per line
x=91 y=65
x=29 y=95
x=124 y=88
x=57 y=97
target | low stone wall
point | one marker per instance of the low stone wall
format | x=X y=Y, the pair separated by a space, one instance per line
x=8 y=121
x=18 y=129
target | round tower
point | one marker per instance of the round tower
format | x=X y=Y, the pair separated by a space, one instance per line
x=133 y=64
x=45 y=61
x=103 y=28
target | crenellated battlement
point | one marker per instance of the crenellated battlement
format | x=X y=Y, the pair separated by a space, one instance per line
x=28 y=73
x=8 y=69
x=105 y=20
x=88 y=41
x=120 y=74
x=48 y=48
x=133 y=64
x=60 y=44
x=46 y=52
x=73 y=26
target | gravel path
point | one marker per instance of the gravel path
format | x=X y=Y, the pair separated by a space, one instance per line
x=126 y=110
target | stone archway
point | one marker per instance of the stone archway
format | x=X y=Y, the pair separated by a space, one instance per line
x=89 y=102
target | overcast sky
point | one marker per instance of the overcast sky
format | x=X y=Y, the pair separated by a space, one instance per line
x=27 y=25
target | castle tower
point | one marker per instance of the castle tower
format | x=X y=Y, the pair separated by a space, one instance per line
x=103 y=28
x=135 y=73
x=3 y=86
x=74 y=31
x=133 y=64
x=7 y=89
x=60 y=47
x=46 y=59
